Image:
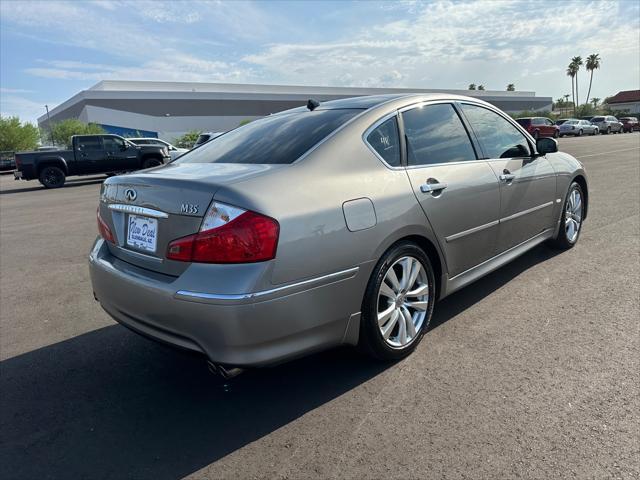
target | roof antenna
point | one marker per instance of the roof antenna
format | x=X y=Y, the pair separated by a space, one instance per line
x=312 y=104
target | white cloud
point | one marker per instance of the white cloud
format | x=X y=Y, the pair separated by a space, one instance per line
x=24 y=108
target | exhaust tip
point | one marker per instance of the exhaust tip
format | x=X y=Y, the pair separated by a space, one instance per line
x=225 y=372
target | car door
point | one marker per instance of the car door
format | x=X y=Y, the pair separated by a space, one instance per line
x=527 y=183
x=89 y=154
x=120 y=155
x=459 y=194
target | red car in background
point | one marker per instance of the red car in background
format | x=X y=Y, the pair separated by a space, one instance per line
x=539 y=127
x=629 y=124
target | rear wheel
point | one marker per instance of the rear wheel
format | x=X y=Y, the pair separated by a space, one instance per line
x=580 y=132
x=52 y=177
x=571 y=221
x=536 y=134
x=556 y=134
x=608 y=130
x=398 y=303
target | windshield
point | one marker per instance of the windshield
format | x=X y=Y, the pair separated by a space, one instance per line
x=276 y=139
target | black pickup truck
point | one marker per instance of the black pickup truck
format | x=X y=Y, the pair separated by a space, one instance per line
x=90 y=154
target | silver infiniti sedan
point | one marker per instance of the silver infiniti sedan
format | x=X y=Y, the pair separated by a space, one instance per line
x=336 y=223
x=577 y=128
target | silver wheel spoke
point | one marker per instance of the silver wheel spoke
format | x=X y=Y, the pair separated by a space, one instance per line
x=386 y=331
x=385 y=315
x=421 y=290
x=415 y=270
x=387 y=291
x=393 y=279
x=411 y=328
x=422 y=305
x=407 y=265
x=402 y=330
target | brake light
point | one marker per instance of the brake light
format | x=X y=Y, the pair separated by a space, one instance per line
x=103 y=229
x=228 y=235
x=18 y=161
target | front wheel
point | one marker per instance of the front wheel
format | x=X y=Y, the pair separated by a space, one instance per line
x=556 y=134
x=52 y=177
x=571 y=221
x=536 y=135
x=579 y=133
x=398 y=303
x=608 y=130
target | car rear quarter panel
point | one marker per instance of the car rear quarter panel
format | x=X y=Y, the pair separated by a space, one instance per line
x=307 y=200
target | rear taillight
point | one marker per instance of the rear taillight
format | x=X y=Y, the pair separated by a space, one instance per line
x=18 y=161
x=228 y=235
x=103 y=229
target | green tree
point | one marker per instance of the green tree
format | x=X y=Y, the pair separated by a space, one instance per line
x=577 y=63
x=472 y=86
x=572 y=71
x=187 y=140
x=596 y=102
x=16 y=136
x=511 y=87
x=62 y=131
x=245 y=121
x=593 y=63
x=480 y=87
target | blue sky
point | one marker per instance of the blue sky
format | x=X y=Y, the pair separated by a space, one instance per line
x=51 y=50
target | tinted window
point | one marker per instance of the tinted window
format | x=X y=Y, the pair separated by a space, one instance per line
x=90 y=143
x=275 y=139
x=498 y=137
x=597 y=119
x=525 y=122
x=435 y=134
x=113 y=144
x=385 y=140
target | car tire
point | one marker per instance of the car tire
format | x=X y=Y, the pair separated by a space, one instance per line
x=52 y=177
x=580 y=132
x=608 y=130
x=536 y=135
x=556 y=134
x=151 y=162
x=393 y=318
x=570 y=226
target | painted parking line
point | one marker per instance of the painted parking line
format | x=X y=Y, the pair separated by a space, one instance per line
x=611 y=151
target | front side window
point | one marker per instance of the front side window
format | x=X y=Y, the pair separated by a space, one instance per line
x=113 y=144
x=498 y=137
x=276 y=139
x=384 y=139
x=435 y=134
x=89 y=144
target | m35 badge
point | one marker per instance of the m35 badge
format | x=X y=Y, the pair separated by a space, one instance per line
x=189 y=208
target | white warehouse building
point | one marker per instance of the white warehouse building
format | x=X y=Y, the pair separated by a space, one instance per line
x=170 y=109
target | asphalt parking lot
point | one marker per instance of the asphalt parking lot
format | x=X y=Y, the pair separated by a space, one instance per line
x=532 y=372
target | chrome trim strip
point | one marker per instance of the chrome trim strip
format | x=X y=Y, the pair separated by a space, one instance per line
x=456 y=236
x=526 y=212
x=149 y=212
x=501 y=254
x=203 y=297
x=142 y=256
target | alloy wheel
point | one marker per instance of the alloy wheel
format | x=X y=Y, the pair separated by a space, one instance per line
x=403 y=301
x=573 y=215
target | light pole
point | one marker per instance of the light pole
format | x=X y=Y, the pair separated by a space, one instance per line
x=49 y=125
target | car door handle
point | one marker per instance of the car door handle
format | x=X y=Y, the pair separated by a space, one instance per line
x=507 y=177
x=432 y=187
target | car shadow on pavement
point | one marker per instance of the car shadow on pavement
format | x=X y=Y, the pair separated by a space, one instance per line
x=111 y=404
x=76 y=182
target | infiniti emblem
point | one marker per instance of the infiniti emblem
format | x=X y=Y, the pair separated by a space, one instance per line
x=130 y=194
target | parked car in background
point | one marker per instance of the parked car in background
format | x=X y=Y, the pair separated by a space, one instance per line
x=607 y=124
x=392 y=202
x=576 y=127
x=90 y=154
x=174 y=152
x=7 y=160
x=205 y=137
x=539 y=127
x=630 y=124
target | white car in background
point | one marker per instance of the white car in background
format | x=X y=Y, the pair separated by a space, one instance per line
x=205 y=137
x=174 y=152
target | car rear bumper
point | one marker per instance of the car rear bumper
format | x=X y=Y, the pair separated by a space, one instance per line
x=247 y=329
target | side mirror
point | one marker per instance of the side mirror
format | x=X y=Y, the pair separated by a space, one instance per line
x=546 y=145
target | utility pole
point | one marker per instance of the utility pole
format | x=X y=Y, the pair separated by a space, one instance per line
x=49 y=125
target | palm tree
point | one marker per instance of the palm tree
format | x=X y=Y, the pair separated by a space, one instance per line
x=571 y=72
x=472 y=86
x=577 y=62
x=593 y=63
x=595 y=101
x=480 y=87
x=511 y=87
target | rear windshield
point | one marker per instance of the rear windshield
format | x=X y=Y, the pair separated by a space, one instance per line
x=275 y=139
x=524 y=121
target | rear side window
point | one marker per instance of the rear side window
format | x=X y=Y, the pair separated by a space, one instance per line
x=498 y=137
x=277 y=139
x=597 y=119
x=525 y=122
x=386 y=142
x=435 y=134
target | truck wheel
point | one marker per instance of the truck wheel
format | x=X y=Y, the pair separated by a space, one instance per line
x=52 y=177
x=151 y=162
